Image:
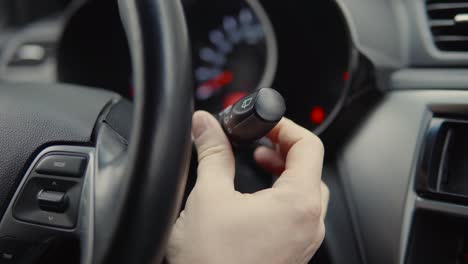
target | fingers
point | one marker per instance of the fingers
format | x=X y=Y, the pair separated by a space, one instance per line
x=325 y=198
x=303 y=152
x=270 y=160
x=215 y=159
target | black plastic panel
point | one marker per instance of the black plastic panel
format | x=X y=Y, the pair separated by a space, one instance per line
x=438 y=238
x=29 y=207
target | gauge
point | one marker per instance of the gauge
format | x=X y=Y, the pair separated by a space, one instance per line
x=315 y=60
x=234 y=51
x=233 y=48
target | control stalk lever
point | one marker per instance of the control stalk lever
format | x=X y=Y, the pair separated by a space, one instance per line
x=253 y=116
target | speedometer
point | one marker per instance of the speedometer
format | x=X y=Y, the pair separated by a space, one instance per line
x=234 y=51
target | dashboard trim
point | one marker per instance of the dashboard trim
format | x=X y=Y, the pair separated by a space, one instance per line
x=378 y=165
x=429 y=79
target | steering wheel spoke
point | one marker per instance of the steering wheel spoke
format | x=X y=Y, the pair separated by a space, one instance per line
x=54 y=200
x=68 y=191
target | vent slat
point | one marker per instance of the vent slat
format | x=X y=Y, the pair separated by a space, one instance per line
x=449 y=34
x=446 y=6
x=442 y=22
x=451 y=38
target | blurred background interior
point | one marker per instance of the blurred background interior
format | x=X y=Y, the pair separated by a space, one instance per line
x=333 y=61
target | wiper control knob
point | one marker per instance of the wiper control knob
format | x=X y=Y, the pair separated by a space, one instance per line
x=253 y=116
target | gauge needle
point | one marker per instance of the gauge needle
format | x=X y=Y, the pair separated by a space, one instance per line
x=206 y=89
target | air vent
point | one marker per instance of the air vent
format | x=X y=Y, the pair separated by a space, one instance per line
x=448 y=20
x=443 y=171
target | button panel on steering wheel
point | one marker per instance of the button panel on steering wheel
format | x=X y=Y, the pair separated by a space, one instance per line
x=51 y=195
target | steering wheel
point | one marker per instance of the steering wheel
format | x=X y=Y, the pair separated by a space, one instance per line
x=84 y=163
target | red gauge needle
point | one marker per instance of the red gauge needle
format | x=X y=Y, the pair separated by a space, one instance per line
x=206 y=89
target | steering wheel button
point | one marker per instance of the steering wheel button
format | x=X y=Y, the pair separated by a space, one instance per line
x=49 y=201
x=52 y=201
x=62 y=165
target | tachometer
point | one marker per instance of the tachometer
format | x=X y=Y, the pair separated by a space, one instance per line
x=234 y=51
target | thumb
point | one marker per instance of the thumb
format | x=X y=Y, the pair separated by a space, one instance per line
x=215 y=159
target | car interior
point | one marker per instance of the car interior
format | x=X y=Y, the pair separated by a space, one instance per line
x=96 y=99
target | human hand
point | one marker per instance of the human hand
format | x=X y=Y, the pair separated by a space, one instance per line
x=280 y=225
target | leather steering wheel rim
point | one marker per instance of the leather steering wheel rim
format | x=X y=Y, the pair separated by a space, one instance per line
x=159 y=152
